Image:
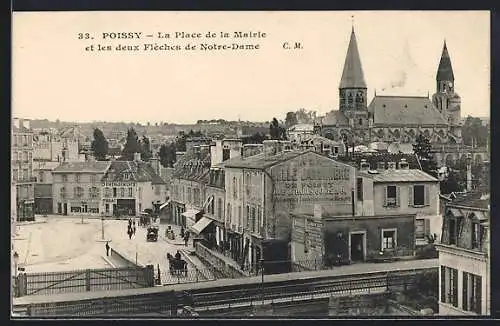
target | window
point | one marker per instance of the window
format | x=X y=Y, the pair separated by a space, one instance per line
x=248 y=184
x=130 y=192
x=235 y=189
x=391 y=198
x=306 y=242
x=122 y=192
x=92 y=178
x=114 y=192
x=77 y=178
x=360 y=121
x=157 y=190
x=253 y=220
x=359 y=188
x=452 y=229
x=107 y=208
x=247 y=215
x=226 y=154
x=15 y=174
x=476 y=235
x=94 y=192
x=380 y=165
x=219 y=207
x=126 y=176
x=240 y=221
x=41 y=176
x=449 y=285
x=419 y=195
x=335 y=150
x=388 y=239
x=107 y=192
x=422 y=228
x=65 y=178
x=62 y=192
x=78 y=192
x=471 y=298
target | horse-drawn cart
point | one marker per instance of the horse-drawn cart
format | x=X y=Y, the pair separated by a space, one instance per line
x=177 y=266
x=152 y=233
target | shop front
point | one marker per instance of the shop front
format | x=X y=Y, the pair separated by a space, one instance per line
x=124 y=207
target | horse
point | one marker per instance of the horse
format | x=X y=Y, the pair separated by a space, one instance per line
x=176 y=266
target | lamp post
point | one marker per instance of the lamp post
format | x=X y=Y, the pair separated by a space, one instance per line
x=102 y=226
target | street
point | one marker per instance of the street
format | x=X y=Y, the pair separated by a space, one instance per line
x=63 y=243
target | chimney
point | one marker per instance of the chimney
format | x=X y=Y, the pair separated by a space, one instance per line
x=216 y=153
x=270 y=147
x=27 y=124
x=403 y=165
x=469 y=172
x=137 y=157
x=364 y=165
x=16 y=122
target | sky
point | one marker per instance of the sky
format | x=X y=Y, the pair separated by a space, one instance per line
x=54 y=77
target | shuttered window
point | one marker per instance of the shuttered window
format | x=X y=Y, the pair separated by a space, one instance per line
x=418 y=195
x=391 y=196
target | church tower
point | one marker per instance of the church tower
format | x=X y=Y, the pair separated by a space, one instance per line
x=352 y=89
x=445 y=99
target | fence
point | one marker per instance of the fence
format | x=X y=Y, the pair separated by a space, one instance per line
x=164 y=304
x=84 y=280
x=121 y=260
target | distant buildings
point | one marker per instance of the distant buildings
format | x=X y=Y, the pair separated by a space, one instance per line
x=43 y=186
x=22 y=169
x=464 y=256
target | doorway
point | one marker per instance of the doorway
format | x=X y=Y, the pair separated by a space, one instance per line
x=357 y=246
x=59 y=208
x=65 y=208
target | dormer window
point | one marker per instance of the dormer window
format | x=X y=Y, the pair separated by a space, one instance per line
x=126 y=176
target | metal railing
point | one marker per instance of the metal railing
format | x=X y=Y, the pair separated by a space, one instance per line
x=84 y=280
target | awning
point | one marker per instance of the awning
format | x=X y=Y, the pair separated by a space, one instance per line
x=199 y=226
x=165 y=204
x=190 y=213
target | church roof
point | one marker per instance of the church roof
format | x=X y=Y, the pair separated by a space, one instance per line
x=352 y=76
x=445 y=71
x=404 y=110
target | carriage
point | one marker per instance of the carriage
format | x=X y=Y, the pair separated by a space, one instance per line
x=177 y=266
x=152 y=233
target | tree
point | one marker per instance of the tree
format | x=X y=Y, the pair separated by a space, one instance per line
x=132 y=145
x=145 y=146
x=256 y=138
x=99 y=145
x=422 y=148
x=167 y=155
x=291 y=119
x=276 y=131
x=450 y=183
x=180 y=142
x=474 y=132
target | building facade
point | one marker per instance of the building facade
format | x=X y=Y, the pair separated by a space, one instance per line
x=399 y=191
x=262 y=191
x=22 y=169
x=464 y=257
x=76 y=188
x=43 y=187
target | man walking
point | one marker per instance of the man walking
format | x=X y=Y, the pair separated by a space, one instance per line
x=107 y=248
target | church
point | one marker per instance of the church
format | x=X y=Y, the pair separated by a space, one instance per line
x=392 y=119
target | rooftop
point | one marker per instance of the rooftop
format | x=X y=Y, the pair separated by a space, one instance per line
x=82 y=167
x=262 y=160
x=405 y=110
x=401 y=175
x=140 y=172
x=472 y=200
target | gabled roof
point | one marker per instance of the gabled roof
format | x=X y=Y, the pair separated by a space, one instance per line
x=82 y=167
x=262 y=160
x=138 y=171
x=193 y=166
x=405 y=110
x=352 y=76
x=399 y=176
x=445 y=71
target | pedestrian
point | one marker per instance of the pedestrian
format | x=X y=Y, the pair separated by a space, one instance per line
x=129 y=233
x=182 y=232
x=186 y=239
x=177 y=255
x=133 y=228
x=133 y=223
x=107 y=248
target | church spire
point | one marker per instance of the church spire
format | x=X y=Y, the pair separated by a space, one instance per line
x=352 y=76
x=445 y=71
